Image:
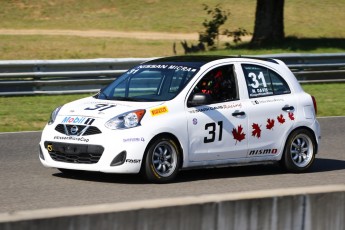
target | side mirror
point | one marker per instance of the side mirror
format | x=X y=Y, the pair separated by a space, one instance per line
x=199 y=99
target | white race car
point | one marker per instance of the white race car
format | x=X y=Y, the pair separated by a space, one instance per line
x=185 y=112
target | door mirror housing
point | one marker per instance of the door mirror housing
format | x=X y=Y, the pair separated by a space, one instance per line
x=199 y=99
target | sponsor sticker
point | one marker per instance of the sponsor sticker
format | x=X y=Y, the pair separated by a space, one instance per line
x=195 y=121
x=133 y=161
x=71 y=138
x=263 y=101
x=219 y=107
x=263 y=151
x=134 y=139
x=159 y=111
x=77 y=120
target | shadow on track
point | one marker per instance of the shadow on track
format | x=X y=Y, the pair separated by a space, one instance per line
x=320 y=165
x=325 y=165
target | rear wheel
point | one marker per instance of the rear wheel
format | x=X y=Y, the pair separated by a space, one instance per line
x=162 y=160
x=299 y=152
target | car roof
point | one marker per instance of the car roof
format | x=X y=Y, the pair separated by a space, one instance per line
x=200 y=60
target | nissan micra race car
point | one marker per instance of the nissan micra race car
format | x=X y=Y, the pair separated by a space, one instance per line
x=184 y=112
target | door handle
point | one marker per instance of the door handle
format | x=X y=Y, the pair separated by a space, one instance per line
x=288 y=108
x=238 y=113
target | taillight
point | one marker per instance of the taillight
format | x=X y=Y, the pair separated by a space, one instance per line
x=314 y=103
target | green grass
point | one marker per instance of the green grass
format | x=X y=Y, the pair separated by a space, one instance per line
x=329 y=98
x=317 y=25
x=317 y=18
x=28 y=113
x=69 y=47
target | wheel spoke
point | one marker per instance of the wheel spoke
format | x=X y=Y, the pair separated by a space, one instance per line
x=164 y=169
x=167 y=164
x=298 y=141
x=300 y=159
x=295 y=157
x=295 y=145
x=159 y=167
x=160 y=150
x=294 y=151
x=303 y=143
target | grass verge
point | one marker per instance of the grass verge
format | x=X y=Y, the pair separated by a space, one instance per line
x=35 y=47
x=29 y=113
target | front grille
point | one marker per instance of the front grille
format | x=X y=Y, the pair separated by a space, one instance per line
x=74 y=153
x=91 y=130
x=77 y=130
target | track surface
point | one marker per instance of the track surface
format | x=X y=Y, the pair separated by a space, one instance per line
x=25 y=184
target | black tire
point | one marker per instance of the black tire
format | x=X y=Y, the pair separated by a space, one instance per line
x=162 y=160
x=299 y=152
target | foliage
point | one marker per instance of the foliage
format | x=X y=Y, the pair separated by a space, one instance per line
x=236 y=34
x=211 y=32
x=210 y=36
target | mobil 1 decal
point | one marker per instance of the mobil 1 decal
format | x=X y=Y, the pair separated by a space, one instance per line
x=77 y=120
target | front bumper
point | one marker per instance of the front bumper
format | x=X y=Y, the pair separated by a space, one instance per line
x=112 y=151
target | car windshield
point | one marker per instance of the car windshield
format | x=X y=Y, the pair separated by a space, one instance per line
x=149 y=82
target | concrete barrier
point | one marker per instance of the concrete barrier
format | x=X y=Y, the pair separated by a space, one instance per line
x=313 y=208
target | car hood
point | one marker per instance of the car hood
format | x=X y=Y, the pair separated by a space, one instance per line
x=104 y=109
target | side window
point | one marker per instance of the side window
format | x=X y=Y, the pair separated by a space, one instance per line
x=219 y=83
x=279 y=84
x=262 y=81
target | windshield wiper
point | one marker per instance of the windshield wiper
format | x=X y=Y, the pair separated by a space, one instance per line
x=126 y=99
x=99 y=94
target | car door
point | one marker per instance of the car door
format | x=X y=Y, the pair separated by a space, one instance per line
x=217 y=130
x=270 y=108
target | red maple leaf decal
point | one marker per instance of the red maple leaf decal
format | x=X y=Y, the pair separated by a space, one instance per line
x=270 y=123
x=256 y=130
x=291 y=116
x=238 y=134
x=281 y=119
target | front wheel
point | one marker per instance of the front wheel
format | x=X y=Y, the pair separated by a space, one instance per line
x=299 y=152
x=162 y=161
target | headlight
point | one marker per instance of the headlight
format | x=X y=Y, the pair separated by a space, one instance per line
x=126 y=120
x=53 y=115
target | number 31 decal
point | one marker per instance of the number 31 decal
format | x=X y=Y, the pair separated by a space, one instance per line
x=256 y=83
x=212 y=128
x=100 y=107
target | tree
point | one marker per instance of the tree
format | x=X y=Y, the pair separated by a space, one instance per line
x=269 y=22
x=210 y=37
x=211 y=33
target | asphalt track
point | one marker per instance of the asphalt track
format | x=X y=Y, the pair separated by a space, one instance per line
x=26 y=185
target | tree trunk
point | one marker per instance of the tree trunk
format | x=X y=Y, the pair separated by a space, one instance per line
x=269 y=22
